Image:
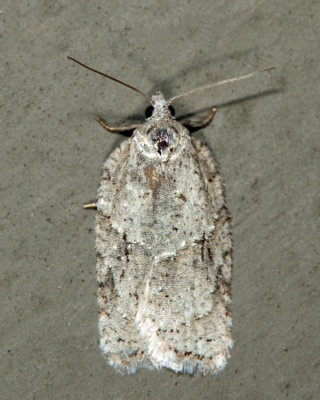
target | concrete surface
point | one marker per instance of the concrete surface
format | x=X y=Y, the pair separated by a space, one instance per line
x=265 y=137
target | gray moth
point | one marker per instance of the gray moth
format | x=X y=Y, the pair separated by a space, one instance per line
x=164 y=251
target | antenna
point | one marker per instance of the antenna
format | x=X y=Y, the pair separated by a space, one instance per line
x=114 y=79
x=217 y=84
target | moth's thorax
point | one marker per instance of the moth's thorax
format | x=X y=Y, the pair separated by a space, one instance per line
x=161 y=140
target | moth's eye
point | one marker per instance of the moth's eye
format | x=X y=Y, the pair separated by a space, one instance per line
x=149 y=111
x=172 y=110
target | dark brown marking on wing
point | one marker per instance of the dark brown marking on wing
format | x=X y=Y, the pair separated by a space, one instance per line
x=203 y=241
x=148 y=171
x=126 y=250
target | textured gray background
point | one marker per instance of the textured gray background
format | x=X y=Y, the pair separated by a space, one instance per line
x=265 y=138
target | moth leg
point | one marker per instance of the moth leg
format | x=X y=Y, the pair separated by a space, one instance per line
x=116 y=128
x=90 y=205
x=201 y=124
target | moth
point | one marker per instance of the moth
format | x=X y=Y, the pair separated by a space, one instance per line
x=163 y=244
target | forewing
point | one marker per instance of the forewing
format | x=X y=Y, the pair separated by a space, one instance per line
x=120 y=286
x=185 y=312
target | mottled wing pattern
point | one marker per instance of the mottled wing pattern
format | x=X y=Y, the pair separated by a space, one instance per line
x=164 y=261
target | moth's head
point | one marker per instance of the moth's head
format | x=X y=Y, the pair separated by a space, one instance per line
x=159 y=108
x=161 y=134
x=160 y=130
